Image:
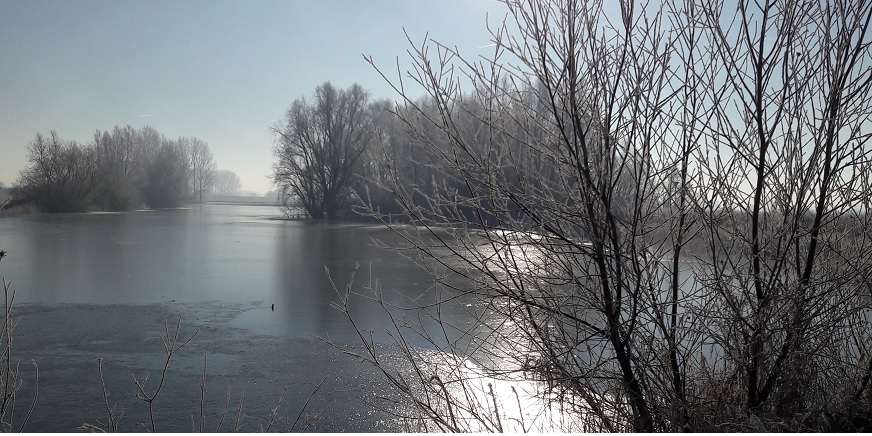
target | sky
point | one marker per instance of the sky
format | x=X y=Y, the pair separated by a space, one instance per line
x=222 y=71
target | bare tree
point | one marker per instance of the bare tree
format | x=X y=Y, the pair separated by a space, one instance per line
x=786 y=145
x=648 y=208
x=61 y=177
x=167 y=176
x=122 y=165
x=202 y=167
x=390 y=156
x=226 y=183
x=120 y=170
x=319 y=147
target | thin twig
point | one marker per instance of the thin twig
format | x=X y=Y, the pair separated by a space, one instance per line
x=306 y=404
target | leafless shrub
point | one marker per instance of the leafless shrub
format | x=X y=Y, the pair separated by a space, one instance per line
x=171 y=346
x=10 y=379
x=662 y=214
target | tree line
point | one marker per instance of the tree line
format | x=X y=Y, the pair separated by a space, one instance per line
x=343 y=151
x=121 y=169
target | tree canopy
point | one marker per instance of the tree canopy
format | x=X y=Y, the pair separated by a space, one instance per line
x=318 y=149
x=121 y=169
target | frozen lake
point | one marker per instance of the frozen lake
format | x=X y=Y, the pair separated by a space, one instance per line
x=92 y=286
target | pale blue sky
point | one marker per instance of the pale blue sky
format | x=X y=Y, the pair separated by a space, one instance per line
x=222 y=71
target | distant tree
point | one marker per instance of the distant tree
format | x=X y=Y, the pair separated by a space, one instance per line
x=226 y=183
x=319 y=148
x=389 y=157
x=122 y=167
x=151 y=142
x=61 y=176
x=201 y=168
x=167 y=176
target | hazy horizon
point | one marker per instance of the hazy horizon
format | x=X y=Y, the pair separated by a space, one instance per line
x=220 y=71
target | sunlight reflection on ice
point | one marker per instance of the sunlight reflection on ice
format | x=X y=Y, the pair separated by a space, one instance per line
x=483 y=402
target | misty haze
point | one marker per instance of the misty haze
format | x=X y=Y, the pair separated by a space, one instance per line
x=436 y=216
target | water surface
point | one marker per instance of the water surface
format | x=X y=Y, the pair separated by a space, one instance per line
x=208 y=253
x=100 y=285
